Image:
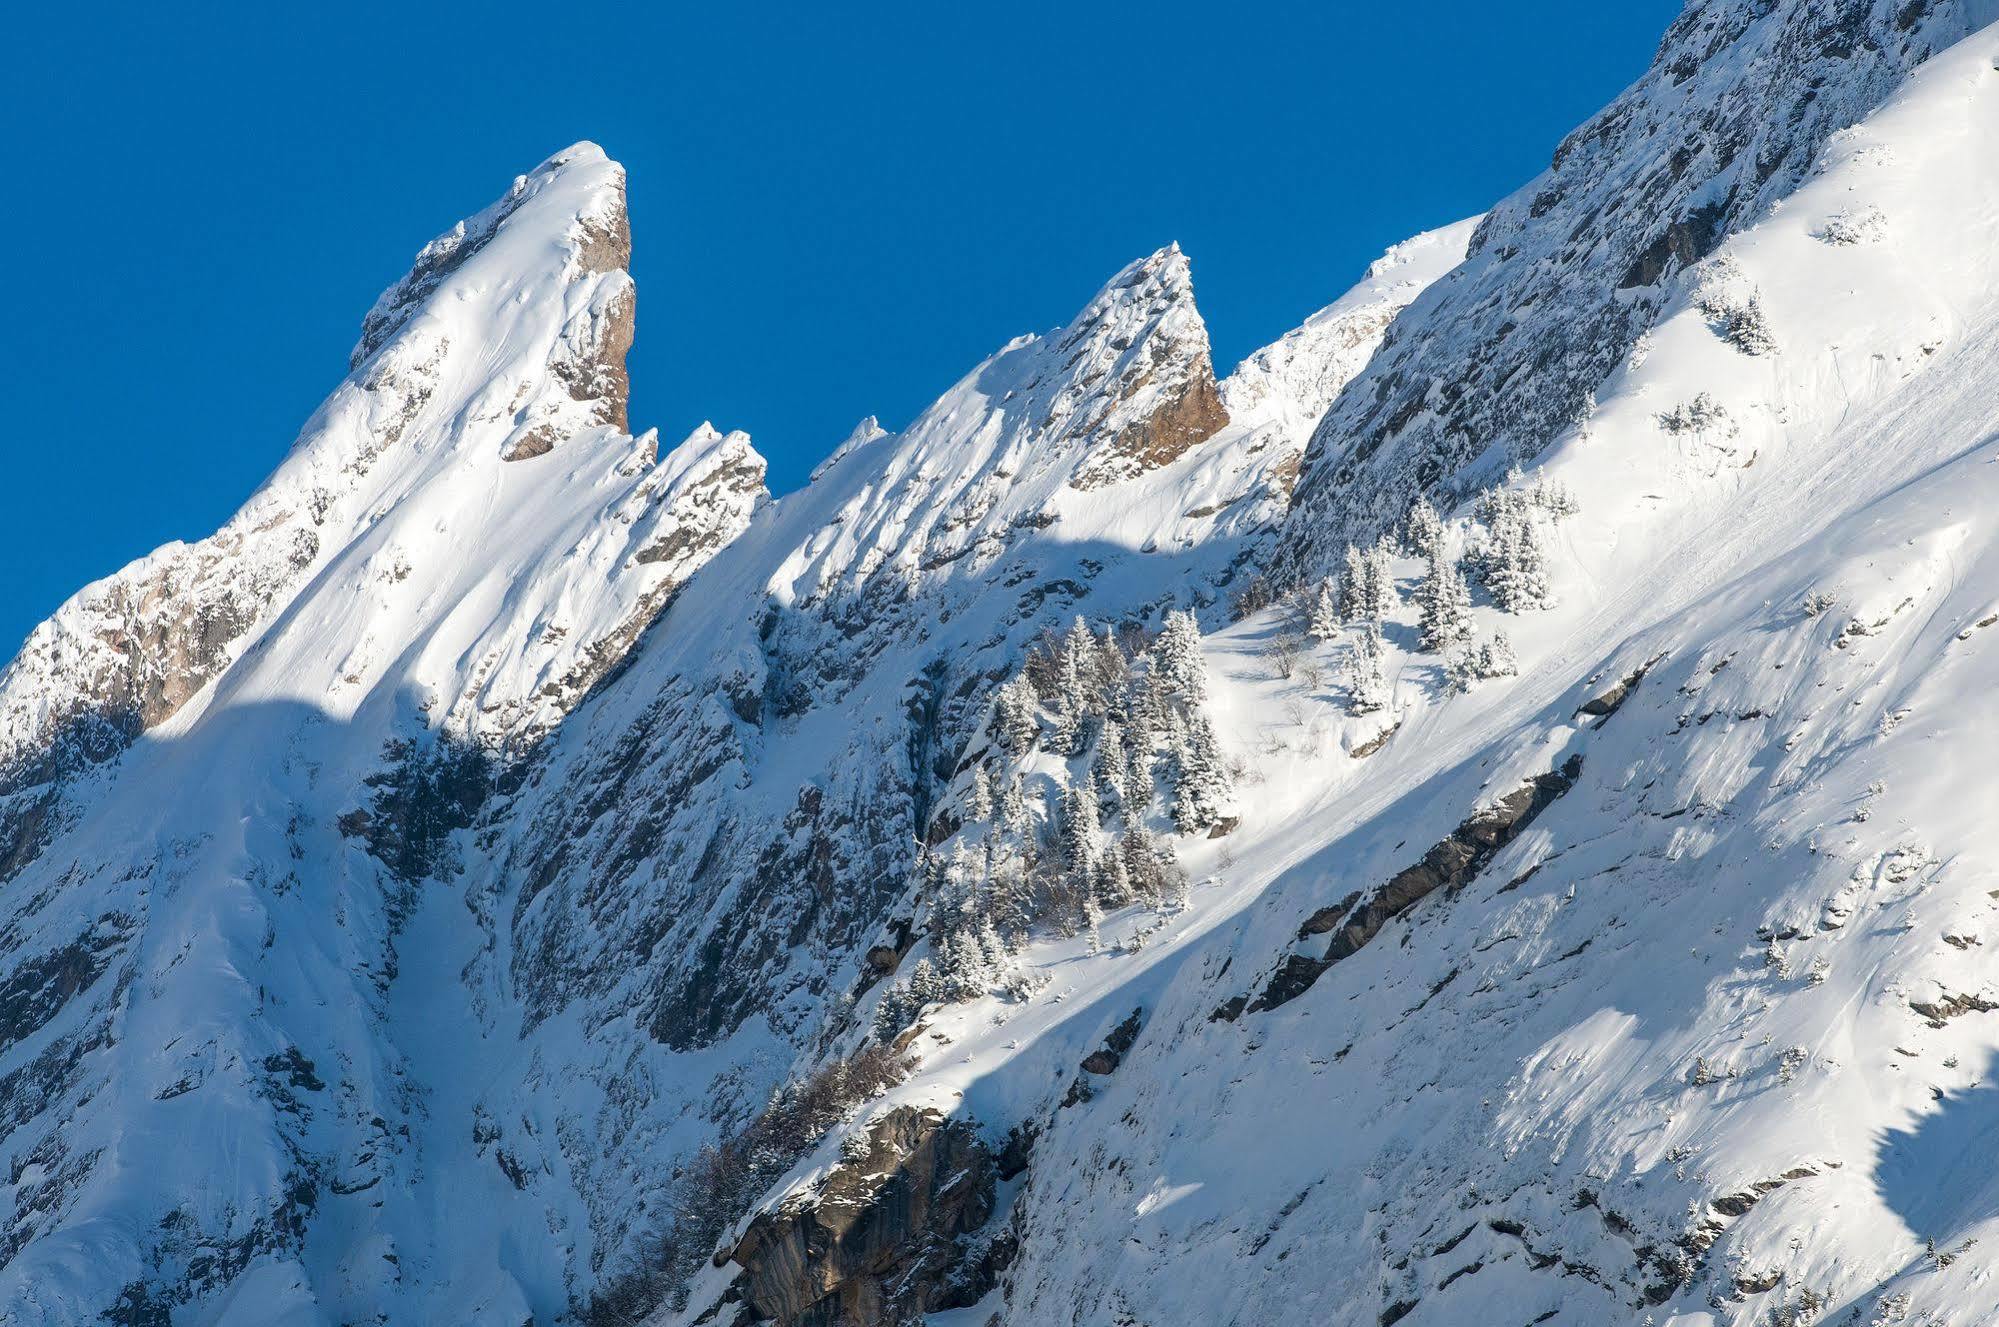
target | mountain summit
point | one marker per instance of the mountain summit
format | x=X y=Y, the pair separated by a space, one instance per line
x=1480 y=814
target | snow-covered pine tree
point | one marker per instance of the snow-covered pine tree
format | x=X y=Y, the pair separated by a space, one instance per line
x=1461 y=670
x=1424 y=531
x=992 y=947
x=1062 y=738
x=1356 y=600
x=1146 y=712
x=1200 y=779
x=1143 y=871
x=1381 y=580
x=1322 y=622
x=1018 y=723
x=1113 y=884
x=1139 y=760
x=1081 y=840
x=1555 y=497
x=961 y=967
x=1082 y=696
x=1495 y=657
x=1176 y=657
x=1366 y=684
x=1112 y=676
x=1445 y=605
x=1017 y=818
x=894 y=1012
x=979 y=798
x=925 y=986
x=1093 y=917
x=1515 y=565
x=1107 y=765
x=1009 y=902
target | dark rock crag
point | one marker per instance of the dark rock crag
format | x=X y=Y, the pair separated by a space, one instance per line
x=879 y=1238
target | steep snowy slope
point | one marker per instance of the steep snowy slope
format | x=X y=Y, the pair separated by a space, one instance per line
x=1566 y=275
x=457 y=549
x=1644 y=987
x=507 y=877
x=345 y=980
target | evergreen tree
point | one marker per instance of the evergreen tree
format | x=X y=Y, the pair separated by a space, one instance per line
x=1107 y=765
x=1017 y=723
x=1200 y=779
x=992 y=947
x=925 y=986
x=1068 y=729
x=979 y=799
x=1425 y=531
x=1078 y=697
x=1017 y=818
x=1138 y=755
x=1093 y=917
x=1323 y=622
x=893 y=1013
x=1445 y=605
x=1080 y=842
x=1515 y=562
x=1356 y=599
x=1009 y=896
x=1381 y=580
x=1461 y=670
x=1367 y=687
x=1113 y=884
x=1495 y=658
x=1112 y=676
x=1079 y=648
x=1176 y=657
x=1143 y=870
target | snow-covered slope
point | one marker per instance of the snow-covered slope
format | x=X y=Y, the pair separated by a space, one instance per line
x=505 y=876
x=191 y=923
x=315 y=889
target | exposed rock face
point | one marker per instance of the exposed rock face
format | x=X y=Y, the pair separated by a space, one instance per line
x=129 y=651
x=1563 y=277
x=1451 y=863
x=876 y=1241
x=1145 y=383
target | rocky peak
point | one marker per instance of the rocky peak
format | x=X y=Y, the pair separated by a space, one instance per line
x=507 y=336
x=1565 y=276
x=1142 y=381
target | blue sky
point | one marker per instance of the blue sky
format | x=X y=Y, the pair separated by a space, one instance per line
x=835 y=213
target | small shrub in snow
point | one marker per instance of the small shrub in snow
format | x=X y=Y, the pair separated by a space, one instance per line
x=1865 y=225
x=1284 y=651
x=1734 y=309
x=1253 y=598
x=1465 y=668
x=1818 y=604
x=1700 y=415
x=1704 y=1073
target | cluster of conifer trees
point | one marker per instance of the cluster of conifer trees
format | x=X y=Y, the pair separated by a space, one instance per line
x=1095 y=747
x=1505 y=553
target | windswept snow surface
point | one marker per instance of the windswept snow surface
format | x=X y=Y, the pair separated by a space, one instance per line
x=389 y=913
x=1704 y=1045
x=356 y=973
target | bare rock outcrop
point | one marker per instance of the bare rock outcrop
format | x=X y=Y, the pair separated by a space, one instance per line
x=879 y=1238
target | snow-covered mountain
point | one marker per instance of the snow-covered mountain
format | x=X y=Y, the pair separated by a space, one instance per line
x=1062 y=864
